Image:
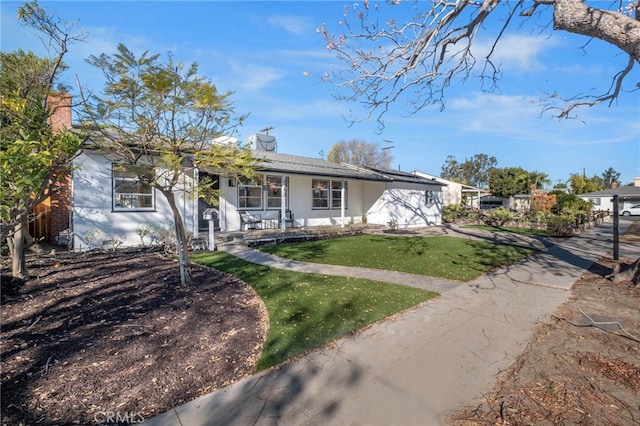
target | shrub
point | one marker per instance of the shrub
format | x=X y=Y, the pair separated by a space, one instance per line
x=560 y=225
x=500 y=216
x=453 y=212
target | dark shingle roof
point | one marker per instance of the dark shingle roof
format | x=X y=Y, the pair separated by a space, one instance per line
x=295 y=164
x=624 y=191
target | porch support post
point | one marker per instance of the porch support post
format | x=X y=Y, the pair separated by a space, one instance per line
x=283 y=205
x=343 y=194
x=212 y=234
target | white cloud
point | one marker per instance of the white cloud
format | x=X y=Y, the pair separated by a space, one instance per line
x=291 y=23
x=252 y=77
x=518 y=118
x=515 y=52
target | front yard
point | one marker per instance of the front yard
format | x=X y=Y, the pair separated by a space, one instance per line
x=103 y=333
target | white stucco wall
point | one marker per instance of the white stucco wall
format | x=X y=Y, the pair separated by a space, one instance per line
x=379 y=202
x=93 y=206
x=300 y=203
x=406 y=205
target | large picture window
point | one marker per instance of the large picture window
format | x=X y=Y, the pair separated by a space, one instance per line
x=249 y=194
x=130 y=192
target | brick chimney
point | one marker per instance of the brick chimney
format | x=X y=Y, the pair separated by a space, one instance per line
x=614 y=185
x=60 y=104
x=60 y=199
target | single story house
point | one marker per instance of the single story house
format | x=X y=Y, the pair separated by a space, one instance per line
x=603 y=200
x=113 y=203
x=453 y=193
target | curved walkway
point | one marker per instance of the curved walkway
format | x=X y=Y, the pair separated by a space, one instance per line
x=439 y=285
x=417 y=366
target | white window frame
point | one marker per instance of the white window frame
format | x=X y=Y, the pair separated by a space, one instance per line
x=252 y=186
x=430 y=197
x=336 y=194
x=320 y=192
x=273 y=185
x=331 y=192
x=123 y=201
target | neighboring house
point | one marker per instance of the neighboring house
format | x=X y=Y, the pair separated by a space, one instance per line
x=603 y=200
x=112 y=202
x=454 y=193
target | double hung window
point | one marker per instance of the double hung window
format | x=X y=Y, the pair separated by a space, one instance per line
x=274 y=191
x=249 y=193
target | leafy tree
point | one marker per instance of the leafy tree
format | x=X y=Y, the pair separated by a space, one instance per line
x=610 y=176
x=535 y=180
x=474 y=171
x=387 y=58
x=359 y=152
x=160 y=120
x=33 y=153
x=580 y=184
x=508 y=181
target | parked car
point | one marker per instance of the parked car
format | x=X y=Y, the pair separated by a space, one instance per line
x=631 y=211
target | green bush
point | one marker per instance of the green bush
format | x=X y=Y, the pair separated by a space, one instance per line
x=500 y=216
x=453 y=212
x=560 y=225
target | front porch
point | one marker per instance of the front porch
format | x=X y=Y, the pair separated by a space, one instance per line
x=256 y=237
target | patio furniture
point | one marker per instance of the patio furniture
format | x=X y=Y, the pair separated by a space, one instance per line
x=249 y=220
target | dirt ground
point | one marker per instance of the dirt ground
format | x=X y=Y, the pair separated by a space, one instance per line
x=581 y=368
x=113 y=336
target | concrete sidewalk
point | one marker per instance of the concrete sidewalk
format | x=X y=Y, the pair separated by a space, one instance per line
x=417 y=366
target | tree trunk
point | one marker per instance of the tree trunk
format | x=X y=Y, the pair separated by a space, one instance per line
x=627 y=273
x=620 y=30
x=181 y=240
x=18 y=248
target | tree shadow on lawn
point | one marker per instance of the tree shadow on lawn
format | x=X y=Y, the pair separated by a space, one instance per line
x=117 y=332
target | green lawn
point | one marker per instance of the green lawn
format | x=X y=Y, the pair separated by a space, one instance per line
x=309 y=310
x=514 y=230
x=442 y=256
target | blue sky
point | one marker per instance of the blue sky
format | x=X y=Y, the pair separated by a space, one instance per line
x=270 y=54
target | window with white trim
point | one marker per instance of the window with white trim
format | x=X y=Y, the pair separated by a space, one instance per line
x=430 y=197
x=327 y=194
x=249 y=193
x=131 y=188
x=336 y=194
x=320 y=193
x=274 y=191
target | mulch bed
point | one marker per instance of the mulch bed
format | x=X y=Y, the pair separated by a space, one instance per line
x=115 y=334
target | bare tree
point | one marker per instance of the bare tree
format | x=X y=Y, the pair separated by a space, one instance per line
x=358 y=152
x=387 y=60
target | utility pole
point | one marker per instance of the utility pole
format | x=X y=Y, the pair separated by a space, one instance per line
x=266 y=130
x=386 y=151
x=616 y=230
